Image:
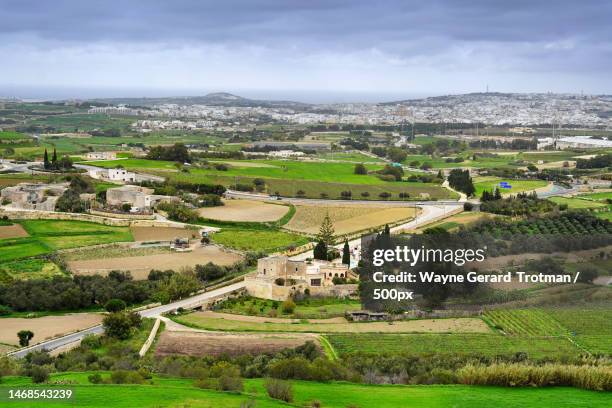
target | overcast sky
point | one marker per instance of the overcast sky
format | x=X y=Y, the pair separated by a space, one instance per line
x=308 y=49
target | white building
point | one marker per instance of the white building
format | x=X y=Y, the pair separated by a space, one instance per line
x=117 y=174
x=101 y=156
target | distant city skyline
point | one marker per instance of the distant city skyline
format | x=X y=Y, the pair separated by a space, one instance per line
x=315 y=51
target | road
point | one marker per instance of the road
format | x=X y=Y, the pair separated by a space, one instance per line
x=52 y=344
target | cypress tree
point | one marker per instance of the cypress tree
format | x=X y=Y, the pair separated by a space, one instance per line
x=320 y=251
x=54 y=158
x=46 y=160
x=346 y=253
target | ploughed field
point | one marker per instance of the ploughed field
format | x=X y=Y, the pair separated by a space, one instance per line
x=46 y=327
x=245 y=210
x=346 y=218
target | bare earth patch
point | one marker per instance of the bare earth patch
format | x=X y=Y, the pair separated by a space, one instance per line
x=347 y=219
x=12 y=231
x=46 y=327
x=161 y=233
x=140 y=266
x=245 y=210
x=205 y=343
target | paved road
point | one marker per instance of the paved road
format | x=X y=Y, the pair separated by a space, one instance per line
x=153 y=312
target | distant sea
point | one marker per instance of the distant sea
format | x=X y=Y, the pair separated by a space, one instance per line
x=307 y=96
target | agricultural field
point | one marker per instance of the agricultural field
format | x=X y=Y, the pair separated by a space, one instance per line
x=29 y=268
x=227 y=322
x=453 y=222
x=455 y=343
x=46 y=327
x=193 y=343
x=597 y=196
x=140 y=266
x=245 y=210
x=311 y=308
x=163 y=233
x=257 y=239
x=590 y=328
x=518 y=186
x=354 y=157
x=577 y=203
x=46 y=236
x=347 y=219
x=524 y=322
x=180 y=392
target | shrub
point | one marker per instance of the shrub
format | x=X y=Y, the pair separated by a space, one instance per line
x=279 y=389
x=39 y=374
x=115 y=305
x=288 y=306
x=95 y=378
x=5 y=310
x=24 y=337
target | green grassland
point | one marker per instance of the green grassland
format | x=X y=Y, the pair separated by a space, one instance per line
x=13 y=137
x=577 y=203
x=315 y=308
x=591 y=328
x=490 y=183
x=30 y=268
x=356 y=157
x=289 y=177
x=267 y=240
x=456 y=343
x=598 y=196
x=47 y=236
x=525 y=322
x=178 y=392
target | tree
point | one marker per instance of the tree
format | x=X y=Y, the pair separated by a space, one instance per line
x=460 y=180
x=46 y=163
x=346 y=253
x=119 y=324
x=326 y=232
x=497 y=195
x=115 y=305
x=588 y=275
x=39 y=374
x=320 y=251
x=397 y=155
x=360 y=169
x=387 y=230
x=24 y=337
x=54 y=159
x=288 y=306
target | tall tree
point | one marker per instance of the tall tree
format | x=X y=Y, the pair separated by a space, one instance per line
x=326 y=232
x=54 y=158
x=320 y=251
x=346 y=253
x=46 y=163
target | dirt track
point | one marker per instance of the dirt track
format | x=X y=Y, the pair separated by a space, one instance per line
x=140 y=266
x=46 y=327
x=12 y=231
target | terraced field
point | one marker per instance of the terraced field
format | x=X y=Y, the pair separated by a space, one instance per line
x=590 y=328
x=524 y=322
x=464 y=343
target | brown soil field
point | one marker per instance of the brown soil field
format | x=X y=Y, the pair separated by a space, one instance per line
x=162 y=233
x=191 y=343
x=346 y=219
x=140 y=266
x=245 y=210
x=12 y=231
x=46 y=327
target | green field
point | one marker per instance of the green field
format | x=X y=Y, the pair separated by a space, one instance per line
x=456 y=343
x=591 y=327
x=47 y=236
x=268 y=240
x=577 y=203
x=28 y=269
x=290 y=177
x=490 y=183
x=524 y=322
x=599 y=196
x=179 y=392
x=315 y=308
x=355 y=157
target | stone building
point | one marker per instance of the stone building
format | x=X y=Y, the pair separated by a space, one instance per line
x=136 y=196
x=278 y=277
x=31 y=196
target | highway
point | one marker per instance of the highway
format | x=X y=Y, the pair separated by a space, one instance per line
x=52 y=344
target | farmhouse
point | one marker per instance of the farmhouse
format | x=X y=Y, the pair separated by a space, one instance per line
x=278 y=277
x=117 y=174
x=32 y=196
x=136 y=196
x=101 y=156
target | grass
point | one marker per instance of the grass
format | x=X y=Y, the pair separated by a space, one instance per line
x=47 y=236
x=355 y=157
x=30 y=268
x=525 y=322
x=600 y=196
x=208 y=322
x=267 y=240
x=577 y=203
x=315 y=308
x=590 y=328
x=289 y=177
x=180 y=392
x=485 y=344
x=490 y=183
